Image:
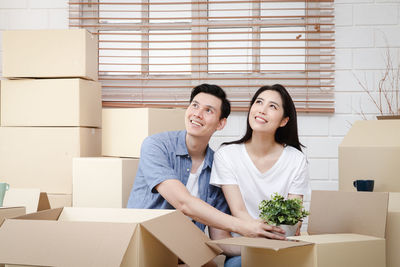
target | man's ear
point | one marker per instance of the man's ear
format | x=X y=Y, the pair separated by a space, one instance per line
x=221 y=124
x=284 y=121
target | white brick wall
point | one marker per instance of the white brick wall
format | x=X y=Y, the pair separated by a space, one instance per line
x=364 y=29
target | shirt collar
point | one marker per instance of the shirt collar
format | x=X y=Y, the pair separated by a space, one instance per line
x=182 y=150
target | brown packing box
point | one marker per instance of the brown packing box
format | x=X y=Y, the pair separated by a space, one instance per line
x=124 y=129
x=60 y=200
x=10 y=212
x=50 y=54
x=345 y=229
x=41 y=157
x=371 y=150
x=50 y=102
x=393 y=231
x=103 y=182
x=31 y=198
x=104 y=237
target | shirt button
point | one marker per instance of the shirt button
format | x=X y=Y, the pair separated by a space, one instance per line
x=187 y=169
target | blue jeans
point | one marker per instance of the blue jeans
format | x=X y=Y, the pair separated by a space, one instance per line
x=235 y=261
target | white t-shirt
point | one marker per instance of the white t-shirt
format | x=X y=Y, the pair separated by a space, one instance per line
x=289 y=174
x=192 y=184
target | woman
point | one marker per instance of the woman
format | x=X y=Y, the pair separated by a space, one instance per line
x=266 y=160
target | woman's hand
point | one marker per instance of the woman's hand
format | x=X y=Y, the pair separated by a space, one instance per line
x=258 y=228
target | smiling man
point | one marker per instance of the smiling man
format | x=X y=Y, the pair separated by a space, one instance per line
x=175 y=167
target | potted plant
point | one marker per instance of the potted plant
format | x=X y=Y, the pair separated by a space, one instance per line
x=386 y=95
x=285 y=213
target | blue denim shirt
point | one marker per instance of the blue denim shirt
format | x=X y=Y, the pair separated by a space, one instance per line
x=165 y=156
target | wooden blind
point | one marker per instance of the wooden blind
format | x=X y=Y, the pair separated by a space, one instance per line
x=153 y=52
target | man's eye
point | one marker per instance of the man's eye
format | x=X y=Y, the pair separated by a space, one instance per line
x=209 y=110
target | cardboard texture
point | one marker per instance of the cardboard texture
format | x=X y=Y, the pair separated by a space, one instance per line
x=371 y=150
x=51 y=102
x=393 y=231
x=124 y=129
x=122 y=237
x=10 y=212
x=41 y=157
x=30 y=198
x=60 y=200
x=103 y=182
x=361 y=213
x=50 y=54
x=342 y=241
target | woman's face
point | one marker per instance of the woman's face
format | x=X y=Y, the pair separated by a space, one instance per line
x=266 y=114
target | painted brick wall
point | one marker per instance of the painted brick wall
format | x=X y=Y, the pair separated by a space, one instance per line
x=364 y=28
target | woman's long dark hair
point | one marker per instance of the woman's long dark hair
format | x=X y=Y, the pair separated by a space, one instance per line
x=286 y=135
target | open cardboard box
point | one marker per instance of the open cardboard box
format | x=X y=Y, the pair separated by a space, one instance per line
x=345 y=229
x=10 y=212
x=104 y=237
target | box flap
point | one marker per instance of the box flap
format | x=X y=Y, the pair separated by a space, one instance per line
x=52 y=243
x=334 y=238
x=110 y=214
x=10 y=212
x=265 y=243
x=373 y=133
x=182 y=237
x=51 y=214
x=31 y=198
x=394 y=202
x=362 y=213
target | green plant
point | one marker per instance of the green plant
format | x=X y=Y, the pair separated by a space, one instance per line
x=279 y=211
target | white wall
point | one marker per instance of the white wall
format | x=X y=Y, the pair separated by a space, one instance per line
x=360 y=29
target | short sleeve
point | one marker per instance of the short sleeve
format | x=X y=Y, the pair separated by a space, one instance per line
x=155 y=162
x=300 y=184
x=222 y=171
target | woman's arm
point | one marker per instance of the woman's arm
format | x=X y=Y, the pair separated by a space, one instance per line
x=235 y=201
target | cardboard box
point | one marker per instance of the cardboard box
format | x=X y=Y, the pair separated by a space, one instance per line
x=393 y=231
x=51 y=102
x=41 y=157
x=371 y=150
x=340 y=234
x=103 y=182
x=10 y=212
x=31 y=198
x=69 y=53
x=60 y=200
x=124 y=129
x=104 y=237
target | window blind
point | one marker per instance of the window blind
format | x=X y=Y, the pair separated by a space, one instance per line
x=153 y=52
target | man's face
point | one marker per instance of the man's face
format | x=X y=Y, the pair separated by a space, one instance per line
x=202 y=115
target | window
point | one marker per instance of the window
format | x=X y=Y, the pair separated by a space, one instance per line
x=153 y=52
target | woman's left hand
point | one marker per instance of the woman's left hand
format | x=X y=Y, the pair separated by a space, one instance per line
x=298 y=228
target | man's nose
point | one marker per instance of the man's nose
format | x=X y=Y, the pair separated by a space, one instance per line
x=199 y=112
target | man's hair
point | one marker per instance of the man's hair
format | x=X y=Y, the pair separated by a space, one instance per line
x=216 y=91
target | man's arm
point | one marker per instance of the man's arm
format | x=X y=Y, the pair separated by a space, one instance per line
x=180 y=198
x=216 y=234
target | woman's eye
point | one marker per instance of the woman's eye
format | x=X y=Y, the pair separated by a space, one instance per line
x=273 y=106
x=258 y=101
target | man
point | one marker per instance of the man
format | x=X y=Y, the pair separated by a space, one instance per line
x=175 y=167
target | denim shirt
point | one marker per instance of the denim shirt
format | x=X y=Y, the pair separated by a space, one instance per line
x=165 y=156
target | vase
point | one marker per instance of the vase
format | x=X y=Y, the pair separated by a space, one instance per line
x=388 y=117
x=290 y=230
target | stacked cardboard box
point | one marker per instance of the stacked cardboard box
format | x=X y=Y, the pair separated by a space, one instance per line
x=46 y=122
x=107 y=181
x=371 y=150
